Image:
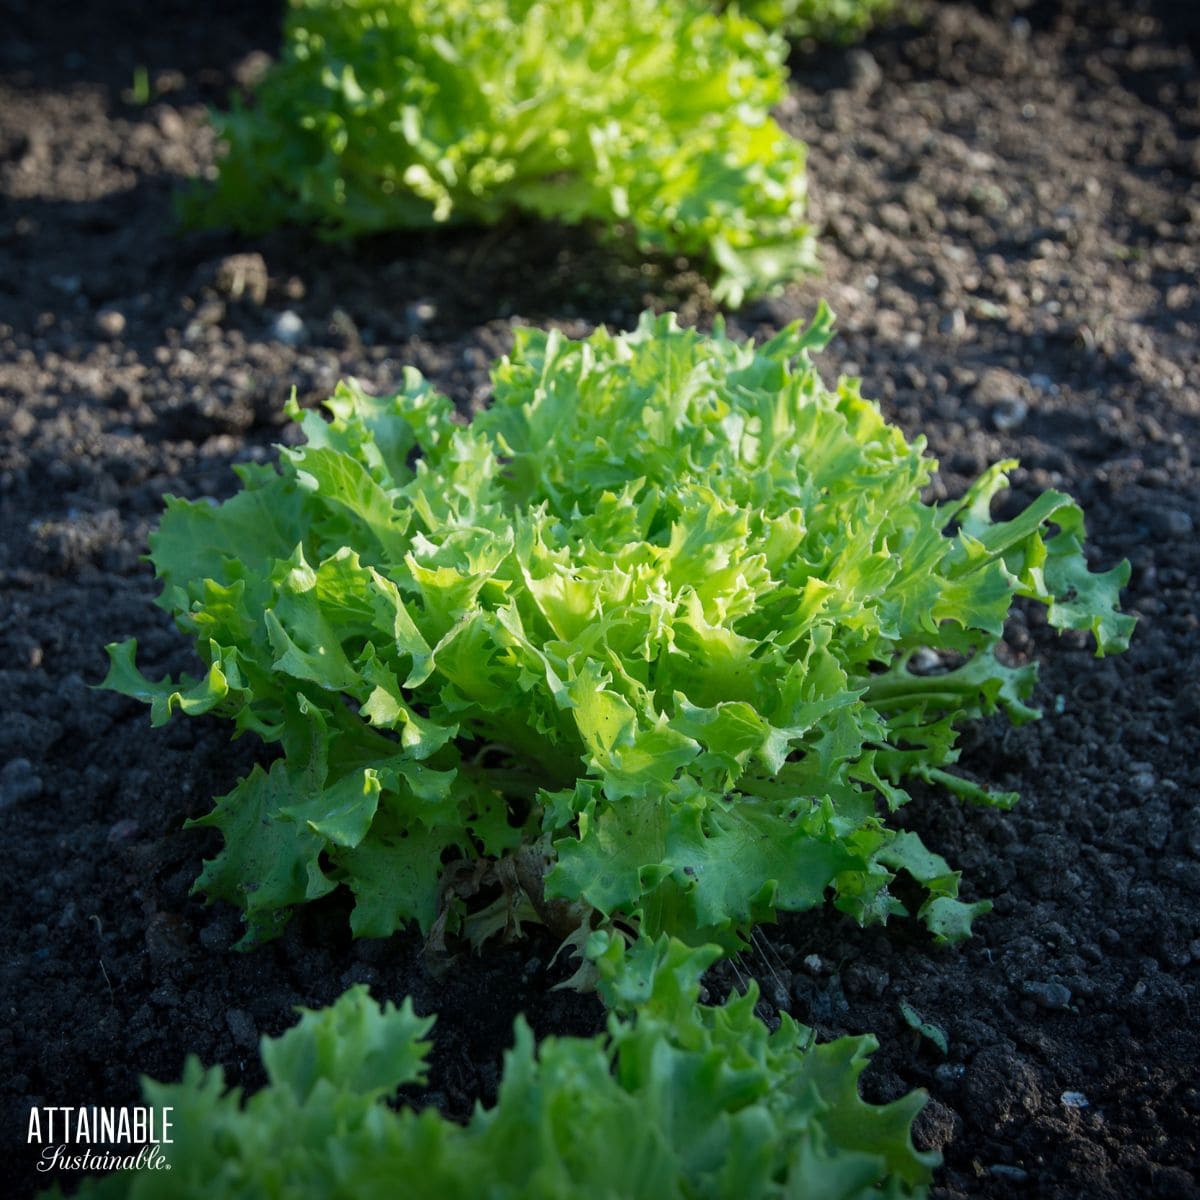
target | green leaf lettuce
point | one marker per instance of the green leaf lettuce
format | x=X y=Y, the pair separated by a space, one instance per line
x=650 y=617
x=675 y=1100
x=407 y=114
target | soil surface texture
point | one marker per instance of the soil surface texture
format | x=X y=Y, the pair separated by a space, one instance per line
x=1008 y=202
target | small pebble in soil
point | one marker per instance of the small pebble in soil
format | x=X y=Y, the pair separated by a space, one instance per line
x=110 y=323
x=1074 y=1099
x=949 y=1075
x=1143 y=779
x=419 y=313
x=1047 y=994
x=243 y=277
x=210 y=313
x=122 y=831
x=288 y=328
x=925 y=662
x=861 y=979
x=1001 y=1171
x=777 y=994
x=1167 y=524
x=865 y=73
x=954 y=323
x=829 y=1004
x=1009 y=413
x=241 y=1025
x=18 y=781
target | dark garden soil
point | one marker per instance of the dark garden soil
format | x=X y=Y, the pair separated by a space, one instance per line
x=1008 y=200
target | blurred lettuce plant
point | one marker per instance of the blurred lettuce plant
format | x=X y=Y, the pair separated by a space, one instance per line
x=676 y=1100
x=630 y=114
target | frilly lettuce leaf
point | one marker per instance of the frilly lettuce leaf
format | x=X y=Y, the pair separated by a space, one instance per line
x=677 y=1099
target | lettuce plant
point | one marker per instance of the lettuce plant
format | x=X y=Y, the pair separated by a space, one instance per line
x=676 y=1100
x=635 y=643
x=406 y=114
